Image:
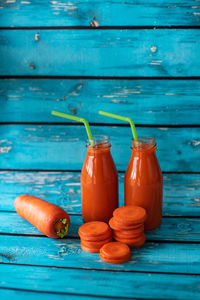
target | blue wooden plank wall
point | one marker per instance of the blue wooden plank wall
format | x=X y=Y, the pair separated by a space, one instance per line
x=136 y=58
x=114 y=13
x=135 y=52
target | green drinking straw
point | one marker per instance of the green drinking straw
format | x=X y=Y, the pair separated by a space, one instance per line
x=122 y=119
x=81 y=120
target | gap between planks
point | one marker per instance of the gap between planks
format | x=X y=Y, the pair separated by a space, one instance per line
x=100 y=27
x=104 y=124
x=76 y=295
x=79 y=171
x=69 y=77
x=99 y=270
x=77 y=238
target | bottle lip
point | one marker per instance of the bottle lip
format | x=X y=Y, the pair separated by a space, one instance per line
x=100 y=141
x=143 y=143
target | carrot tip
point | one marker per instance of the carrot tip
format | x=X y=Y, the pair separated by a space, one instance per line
x=63 y=231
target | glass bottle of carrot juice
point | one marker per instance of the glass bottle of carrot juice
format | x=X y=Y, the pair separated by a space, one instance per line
x=143 y=183
x=99 y=182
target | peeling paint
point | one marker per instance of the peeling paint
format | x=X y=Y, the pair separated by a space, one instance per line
x=5 y=149
x=156 y=62
x=10 y=1
x=153 y=49
x=171 y=94
x=195 y=143
x=118 y=101
x=197 y=199
x=94 y=23
x=34 y=89
x=5 y=142
x=73 y=184
x=108 y=96
x=30 y=129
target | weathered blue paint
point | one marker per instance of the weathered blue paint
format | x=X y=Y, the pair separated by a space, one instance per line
x=122 y=284
x=172 y=229
x=113 y=13
x=162 y=52
x=152 y=257
x=63 y=147
x=181 y=191
x=147 y=101
x=31 y=295
x=134 y=52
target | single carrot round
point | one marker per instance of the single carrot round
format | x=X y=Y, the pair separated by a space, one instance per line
x=96 y=244
x=94 y=229
x=48 y=218
x=133 y=243
x=114 y=224
x=115 y=261
x=133 y=235
x=98 y=238
x=129 y=215
x=89 y=249
x=115 y=251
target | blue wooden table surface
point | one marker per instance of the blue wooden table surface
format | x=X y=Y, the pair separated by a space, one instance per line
x=139 y=59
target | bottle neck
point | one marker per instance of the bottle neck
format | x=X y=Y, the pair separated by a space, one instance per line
x=101 y=145
x=144 y=145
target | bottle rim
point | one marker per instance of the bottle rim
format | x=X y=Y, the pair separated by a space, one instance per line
x=100 y=141
x=143 y=143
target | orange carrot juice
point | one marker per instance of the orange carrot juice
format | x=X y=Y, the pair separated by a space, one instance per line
x=99 y=182
x=143 y=184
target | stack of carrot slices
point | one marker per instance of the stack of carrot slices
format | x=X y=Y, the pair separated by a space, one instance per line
x=115 y=253
x=128 y=225
x=94 y=235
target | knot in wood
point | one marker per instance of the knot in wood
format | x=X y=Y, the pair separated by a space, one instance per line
x=94 y=23
x=32 y=66
x=153 y=49
x=37 y=37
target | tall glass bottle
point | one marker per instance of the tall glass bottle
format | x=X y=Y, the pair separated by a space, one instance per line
x=99 y=182
x=143 y=183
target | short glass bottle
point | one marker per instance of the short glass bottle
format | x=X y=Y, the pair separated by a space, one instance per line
x=99 y=182
x=143 y=183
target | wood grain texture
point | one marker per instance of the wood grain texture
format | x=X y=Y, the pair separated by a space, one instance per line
x=31 y=295
x=67 y=253
x=162 y=52
x=113 y=13
x=138 y=285
x=50 y=147
x=181 y=191
x=18 y=294
x=147 y=101
x=172 y=229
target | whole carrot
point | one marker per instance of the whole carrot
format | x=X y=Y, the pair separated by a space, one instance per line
x=48 y=218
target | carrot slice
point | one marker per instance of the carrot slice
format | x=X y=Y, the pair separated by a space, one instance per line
x=48 y=218
x=94 y=229
x=115 y=251
x=97 y=238
x=114 y=224
x=130 y=215
x=96 y=244
x=89 y=249
x=114 y=261
x=133 y=235
x=133 y=243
